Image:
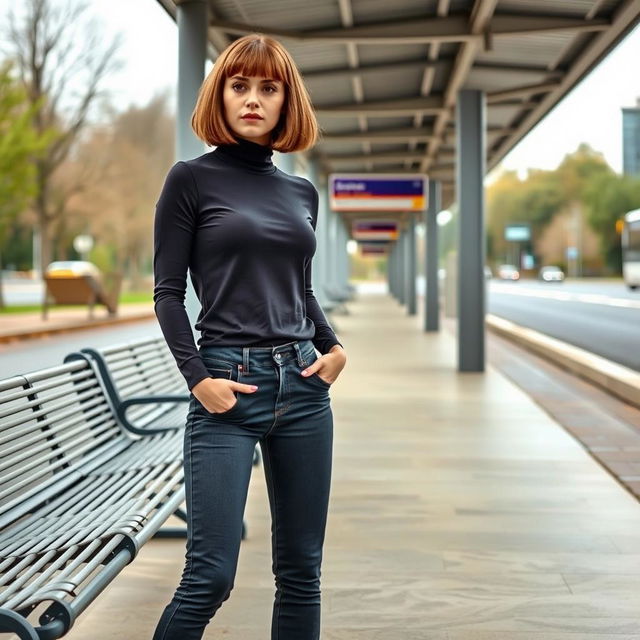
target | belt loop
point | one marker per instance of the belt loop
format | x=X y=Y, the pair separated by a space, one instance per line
x=301 y=361
x=245 y=360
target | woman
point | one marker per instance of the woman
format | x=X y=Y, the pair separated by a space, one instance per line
x=246 y=231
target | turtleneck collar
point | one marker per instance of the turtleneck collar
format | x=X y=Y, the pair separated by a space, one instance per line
x=248 y=155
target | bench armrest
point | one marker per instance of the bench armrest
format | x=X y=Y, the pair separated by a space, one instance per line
x=123 y=405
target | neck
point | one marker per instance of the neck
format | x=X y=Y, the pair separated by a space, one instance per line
x=248 y=155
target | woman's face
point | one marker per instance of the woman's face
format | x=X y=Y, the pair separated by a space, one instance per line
x=254 y=95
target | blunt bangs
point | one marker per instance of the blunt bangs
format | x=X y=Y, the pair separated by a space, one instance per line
x=255 y=58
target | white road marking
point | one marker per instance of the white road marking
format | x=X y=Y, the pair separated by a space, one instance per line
x=566 y=296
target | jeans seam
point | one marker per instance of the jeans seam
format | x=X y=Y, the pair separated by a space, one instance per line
x=275 y=411
x=275 y=540
x=189 y=522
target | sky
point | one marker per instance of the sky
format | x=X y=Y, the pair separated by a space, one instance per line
x=590 y=113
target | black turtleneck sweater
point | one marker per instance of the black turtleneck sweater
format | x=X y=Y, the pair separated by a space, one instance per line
x=246 y=232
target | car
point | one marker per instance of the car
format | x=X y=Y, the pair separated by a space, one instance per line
x=488 y=274
x=66 y=268
x=551 y=273
x=508 y=272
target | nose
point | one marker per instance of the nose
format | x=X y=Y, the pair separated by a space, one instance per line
x=252 y=97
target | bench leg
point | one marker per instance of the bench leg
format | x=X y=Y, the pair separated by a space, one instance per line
x=170 y=532
x=11 y=622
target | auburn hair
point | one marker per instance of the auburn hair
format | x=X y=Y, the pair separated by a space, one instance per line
x=256 y=54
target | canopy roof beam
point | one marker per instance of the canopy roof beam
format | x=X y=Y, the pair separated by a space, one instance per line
x=419 y=30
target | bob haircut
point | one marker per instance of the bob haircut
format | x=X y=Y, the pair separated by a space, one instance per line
x=256 y=54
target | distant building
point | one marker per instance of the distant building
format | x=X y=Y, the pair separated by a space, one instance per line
x=631 y=140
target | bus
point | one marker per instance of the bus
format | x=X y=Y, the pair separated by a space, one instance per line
x=631 y=249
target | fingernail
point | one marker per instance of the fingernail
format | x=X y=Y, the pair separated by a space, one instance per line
x=304 y=373
x=253 y=386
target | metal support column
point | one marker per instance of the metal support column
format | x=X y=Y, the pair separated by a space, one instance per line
x=411 y=266
x=432 y=288
x=396 y=270
x=402 y=268
x=332 y=248
x=389 y=271
x=320 y=267
x=470 y=170
x=192 y=19
x=285 y=162
x=343 y=254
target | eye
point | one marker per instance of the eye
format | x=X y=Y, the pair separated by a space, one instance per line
x=237 y=84
x=271 y=89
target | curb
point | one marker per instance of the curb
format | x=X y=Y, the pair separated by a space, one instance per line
x=617 y=379
x=68 y=327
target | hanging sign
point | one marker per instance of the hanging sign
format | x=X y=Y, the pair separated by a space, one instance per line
x=368 y=249
x=374 y=229
x=378 y=192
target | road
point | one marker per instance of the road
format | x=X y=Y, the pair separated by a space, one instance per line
x=601 y=317
x=28 y=355
x=21 y=291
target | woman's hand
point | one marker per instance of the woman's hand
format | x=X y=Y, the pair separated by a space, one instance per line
x=216 y=394
x=330 y=364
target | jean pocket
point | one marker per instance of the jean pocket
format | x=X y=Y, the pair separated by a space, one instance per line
x=218 y=368
x=315 y=376
x=224 y=367
x=310 y=358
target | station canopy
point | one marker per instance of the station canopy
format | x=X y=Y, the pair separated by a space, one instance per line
x=384 y=74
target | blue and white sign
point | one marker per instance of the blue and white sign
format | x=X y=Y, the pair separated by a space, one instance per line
x=378 y=192
x=517 y=232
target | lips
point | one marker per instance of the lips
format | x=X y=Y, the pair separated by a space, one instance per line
x=252 y=117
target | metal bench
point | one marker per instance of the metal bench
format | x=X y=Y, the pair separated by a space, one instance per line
x=79 y=496
x=82 y=289
x=144 y=385
x=339 y=296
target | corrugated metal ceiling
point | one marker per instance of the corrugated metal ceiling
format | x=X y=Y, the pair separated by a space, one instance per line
x=525 y=55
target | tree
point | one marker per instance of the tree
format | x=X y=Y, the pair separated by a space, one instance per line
x=579 y=169
x=543 y=194
x=20 y=145
x=126 y=162
x=54 y=65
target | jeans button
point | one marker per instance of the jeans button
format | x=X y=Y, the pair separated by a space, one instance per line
x=278 y=356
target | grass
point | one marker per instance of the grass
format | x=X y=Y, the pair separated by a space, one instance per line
x=128 y=297
x=136 y=296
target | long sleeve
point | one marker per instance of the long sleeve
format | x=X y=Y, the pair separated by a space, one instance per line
x=325 y=338
x=174 y=227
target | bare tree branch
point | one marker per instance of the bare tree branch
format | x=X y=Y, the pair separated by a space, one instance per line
x=56 y=49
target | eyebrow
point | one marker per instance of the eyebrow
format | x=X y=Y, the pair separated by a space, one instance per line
x=267 y=80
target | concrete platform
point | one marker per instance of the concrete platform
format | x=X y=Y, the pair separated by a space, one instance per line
x=460 y=511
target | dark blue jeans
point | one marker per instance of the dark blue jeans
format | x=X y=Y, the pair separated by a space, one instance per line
x=290 y=416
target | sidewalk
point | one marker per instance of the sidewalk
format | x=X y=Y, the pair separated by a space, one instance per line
x=21 y=326
x=460 y=511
